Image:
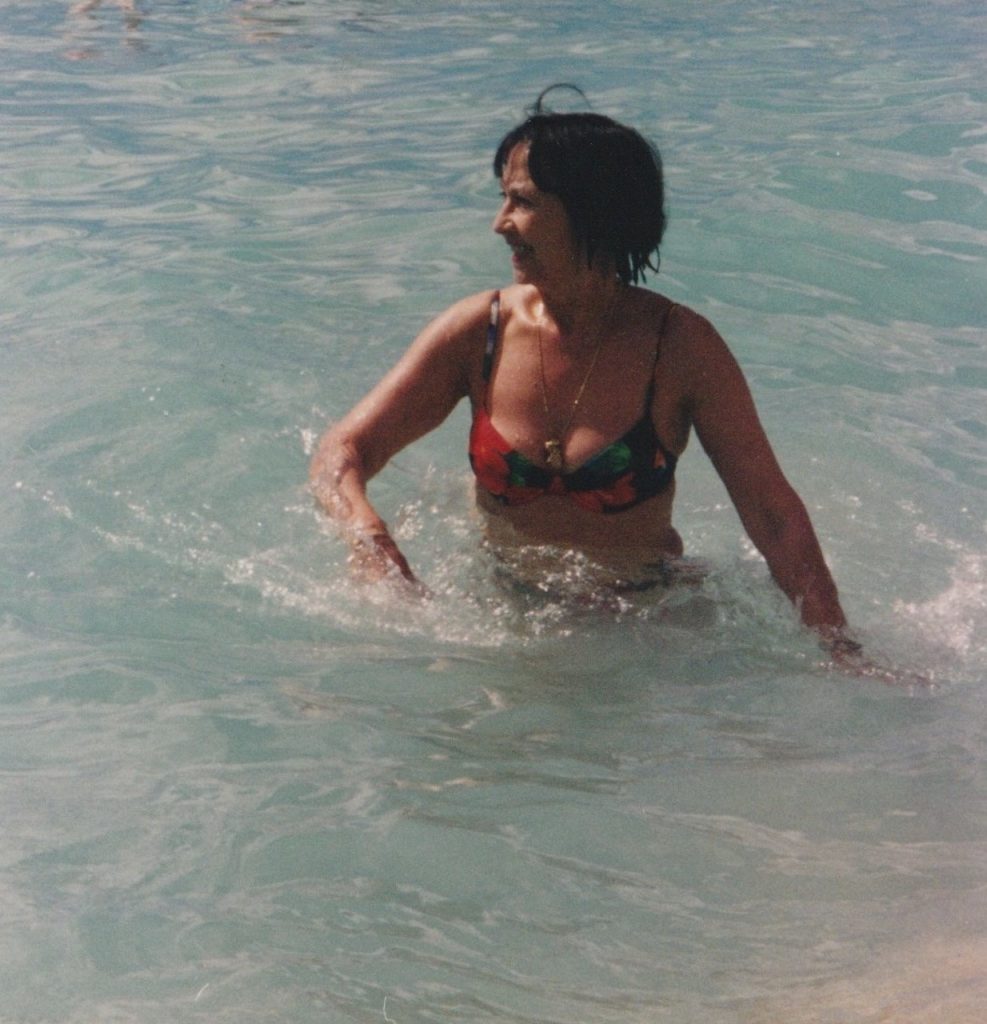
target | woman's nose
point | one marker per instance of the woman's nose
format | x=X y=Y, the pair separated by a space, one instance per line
x=500 y=221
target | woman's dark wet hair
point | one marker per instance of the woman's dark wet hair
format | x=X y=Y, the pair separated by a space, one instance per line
x=607 y=176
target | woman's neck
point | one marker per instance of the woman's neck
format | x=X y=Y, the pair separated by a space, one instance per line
x=577 y=313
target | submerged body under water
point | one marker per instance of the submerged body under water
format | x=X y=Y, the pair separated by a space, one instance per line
x=239 y=786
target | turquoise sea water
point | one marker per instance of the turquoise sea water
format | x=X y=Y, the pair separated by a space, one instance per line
x=234 y=786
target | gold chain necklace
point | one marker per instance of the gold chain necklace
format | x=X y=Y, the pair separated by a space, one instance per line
x=553 y=446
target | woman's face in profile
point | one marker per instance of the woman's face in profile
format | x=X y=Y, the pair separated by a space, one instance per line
x=534 y=224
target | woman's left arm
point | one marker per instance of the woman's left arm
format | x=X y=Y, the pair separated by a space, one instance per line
x=775 y=518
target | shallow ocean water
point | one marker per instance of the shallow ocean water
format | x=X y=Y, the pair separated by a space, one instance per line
x=235 y=786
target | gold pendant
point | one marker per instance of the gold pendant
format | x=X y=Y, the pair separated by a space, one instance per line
x=553 y=455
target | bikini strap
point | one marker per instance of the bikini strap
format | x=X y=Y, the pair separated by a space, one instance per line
x=488 y=353
x=654 y=368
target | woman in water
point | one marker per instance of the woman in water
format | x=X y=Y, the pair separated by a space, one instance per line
x=584 y=388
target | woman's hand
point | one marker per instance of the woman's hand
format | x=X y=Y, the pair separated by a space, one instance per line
x=376 y=557
x=848 y=656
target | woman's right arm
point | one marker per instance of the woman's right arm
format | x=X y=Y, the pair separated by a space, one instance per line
x=412 y=399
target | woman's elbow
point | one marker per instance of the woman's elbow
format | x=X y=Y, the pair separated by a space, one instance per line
x=781 y=524
x=335 y=456
x=324 y=456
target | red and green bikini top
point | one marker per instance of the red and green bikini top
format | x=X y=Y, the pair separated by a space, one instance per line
x=631 y=470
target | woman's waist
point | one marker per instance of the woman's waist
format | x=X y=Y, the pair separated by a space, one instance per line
x=535 y=548
x=638 y=536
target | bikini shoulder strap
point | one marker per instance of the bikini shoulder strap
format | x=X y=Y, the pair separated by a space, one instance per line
x=663 y=328
x=488 y=353
x=661 y=338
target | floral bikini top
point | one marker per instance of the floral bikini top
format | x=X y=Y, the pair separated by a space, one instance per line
x=631 y=470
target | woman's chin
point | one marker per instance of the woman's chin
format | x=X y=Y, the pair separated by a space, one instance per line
x=523 y=272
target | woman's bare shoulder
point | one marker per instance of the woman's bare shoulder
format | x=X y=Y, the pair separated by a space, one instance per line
x=466 y=314
x=455 y=333
x=691 y=339
x=655 y=311
x=685 y=324
x=516 y=300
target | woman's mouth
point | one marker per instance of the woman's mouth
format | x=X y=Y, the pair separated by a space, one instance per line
x=521 y=250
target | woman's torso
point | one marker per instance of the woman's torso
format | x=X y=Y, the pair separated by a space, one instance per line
x=633 y=377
